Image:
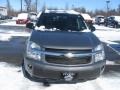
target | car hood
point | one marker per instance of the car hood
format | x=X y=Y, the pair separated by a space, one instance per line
x=65 y=40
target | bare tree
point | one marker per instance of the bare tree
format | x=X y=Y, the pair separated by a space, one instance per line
x=28 y=5
x=33 y=7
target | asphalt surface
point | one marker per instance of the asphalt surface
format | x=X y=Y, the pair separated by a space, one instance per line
x=13 y=51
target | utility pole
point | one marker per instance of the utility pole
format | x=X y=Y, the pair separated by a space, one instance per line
x=21 y=5
x=108 y=1
x=28 y=4
x=9 y=7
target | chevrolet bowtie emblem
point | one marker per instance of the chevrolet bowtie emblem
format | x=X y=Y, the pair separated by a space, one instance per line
x=69 y=55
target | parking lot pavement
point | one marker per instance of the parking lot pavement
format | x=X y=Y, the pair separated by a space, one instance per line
x=12 y=45
x=12 y=51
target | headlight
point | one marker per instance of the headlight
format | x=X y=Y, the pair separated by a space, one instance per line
x=33 y=51
x=100 y=55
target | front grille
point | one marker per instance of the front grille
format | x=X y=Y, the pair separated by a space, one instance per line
x=65 y=60
x=68 y=50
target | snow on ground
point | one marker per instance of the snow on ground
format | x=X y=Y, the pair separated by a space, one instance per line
x=107 y=34
x=7 y=35
x=11 y=78
x=4 y=37
x=12 y=23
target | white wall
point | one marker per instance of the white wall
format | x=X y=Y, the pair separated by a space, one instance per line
x=3 y=11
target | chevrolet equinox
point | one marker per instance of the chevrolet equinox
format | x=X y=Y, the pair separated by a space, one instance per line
x=62 y=49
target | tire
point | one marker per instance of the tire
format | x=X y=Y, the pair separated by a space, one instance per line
x=25 y=73
x=114 y=26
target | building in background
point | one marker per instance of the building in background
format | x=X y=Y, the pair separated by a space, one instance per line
x=3 y=11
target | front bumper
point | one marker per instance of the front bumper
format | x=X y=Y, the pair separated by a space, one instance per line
x=53 y=73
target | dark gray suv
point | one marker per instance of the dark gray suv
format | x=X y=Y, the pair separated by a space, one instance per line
x=62 y=49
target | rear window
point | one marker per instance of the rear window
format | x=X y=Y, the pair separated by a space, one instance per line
x=62 y=22
x=22 y=16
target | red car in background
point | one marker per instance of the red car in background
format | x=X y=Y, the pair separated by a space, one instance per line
x=23 y=18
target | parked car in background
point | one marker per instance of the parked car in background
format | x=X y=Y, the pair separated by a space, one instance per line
x=23 y=18
x=99 y=20
x=113 y=21
x=33 y=16
x=2 y=17
x=62 y=49
x=8 y=17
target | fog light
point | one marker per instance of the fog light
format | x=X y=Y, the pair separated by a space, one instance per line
x=29 y=66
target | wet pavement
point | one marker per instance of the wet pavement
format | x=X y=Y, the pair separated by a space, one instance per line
x=13 y=51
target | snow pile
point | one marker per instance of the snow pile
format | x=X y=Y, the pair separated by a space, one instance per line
x=107 y=34
x=4 y=37
x=11 y=78
x=104 y=28
x=7 y=35
x=12 y=23
x=14 y=18
x=110 y=83
x=117 y=18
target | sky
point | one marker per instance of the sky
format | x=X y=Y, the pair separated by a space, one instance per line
x=88 y=4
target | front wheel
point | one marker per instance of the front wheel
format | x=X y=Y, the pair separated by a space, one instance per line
x=25 y=73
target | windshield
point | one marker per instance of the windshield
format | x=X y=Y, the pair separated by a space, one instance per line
x=62 y=22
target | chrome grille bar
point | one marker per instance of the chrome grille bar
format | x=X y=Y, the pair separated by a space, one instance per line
x=73 y=55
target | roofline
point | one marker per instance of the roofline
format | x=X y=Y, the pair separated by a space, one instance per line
x=3 y=7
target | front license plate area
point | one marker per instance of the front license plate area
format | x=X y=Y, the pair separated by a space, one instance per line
x=68 y=76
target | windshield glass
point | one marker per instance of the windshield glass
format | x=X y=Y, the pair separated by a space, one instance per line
x=62 y=22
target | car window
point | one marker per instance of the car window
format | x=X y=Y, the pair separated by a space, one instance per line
x=63 y=22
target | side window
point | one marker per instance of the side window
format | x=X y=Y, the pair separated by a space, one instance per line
x=109 y=18
x=81 y=24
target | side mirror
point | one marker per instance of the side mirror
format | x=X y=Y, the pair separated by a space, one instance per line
x=92 y=28
x=30 y=25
